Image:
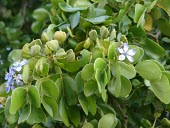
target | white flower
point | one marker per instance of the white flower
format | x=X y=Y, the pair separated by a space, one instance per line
x=18 y=64
x=126 y=53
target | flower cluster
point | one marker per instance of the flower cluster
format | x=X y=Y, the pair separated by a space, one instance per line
x=126 y=53
x=13 y=75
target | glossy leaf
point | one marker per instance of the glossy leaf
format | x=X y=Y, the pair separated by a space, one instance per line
x=90 y=87
x=126 y=87
x=97 y=20
x=127 y=70
x=50 y=89
x=74 y=19
x=17 y=99
x=40 y=14
x=79 y=83
x=83 y=102
x=149 y=70
x=70 y=90
x=37 y=116
x=108 y=121
x=51 y=106
x=92 y=104
x=164 y=26
x=87 y=125
x=11 y=118
x=25 y=113
x=161 y=89
x=87 y=72
x=34 y=96
x=14 y=56
x=63 y=111
x=100 y=63
x=68 y=8
x=25 y=73
x=74 y=115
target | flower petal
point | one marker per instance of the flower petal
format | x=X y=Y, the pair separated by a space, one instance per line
x=121 y=57
x=18 y=68
x=120 y=50
x=24 y=62
x=130 y=58
x=131 y=52
x=8 y=89
x=125 y=47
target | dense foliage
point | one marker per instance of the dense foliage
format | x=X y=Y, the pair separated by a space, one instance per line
x=97 y=64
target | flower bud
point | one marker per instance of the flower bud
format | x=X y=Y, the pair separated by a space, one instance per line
x=113 y=35
x=37 y=42
x=52 y=45
x=25 y=52
x=60 y=36
x=47 y=50
x=93 y=35
x=104 y=32
x=35 y=49
x=44 y=37
x=87 y=43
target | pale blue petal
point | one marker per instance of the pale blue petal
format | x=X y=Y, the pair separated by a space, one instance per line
x=125 y=47
x=120 y=50
x=24 y=62
x=131 y=52
x=18 y=68
x=121 y=57
x=130 y=58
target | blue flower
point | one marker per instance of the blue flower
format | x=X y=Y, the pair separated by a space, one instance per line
x=18 y=64
x=126 y=53
x=18 y=79
x=9 y=85
x=1 y=106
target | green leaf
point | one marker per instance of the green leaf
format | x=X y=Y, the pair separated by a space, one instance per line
x=87 y=72
x=126 y=87
x=159 y=65
x=36 y=126
x=40 y=14
x=100 y=63
x=70 y=90
x=18 y=99
x=164 y=26
x=25 y=73
x=164 y=4
x=83 y=102
x=87 y=125
x=10 y=118
x=92 y=104
x=25 y=113
x=77 y=64
x=68 y=8
x=3 y=92
x=97 y=20
x=63 y=112
x=74 y=115
x=36 y=26
x=108 y=121
x=127 y=70
x=37 y=116
x=74 y=19
x=149 y=70
x=139 y=14
x=14 y=55
x=112 y=51
x=90 y=87
x=79 y=83
x=51 y=106
x=152 y=49
x=50 y=89
x=161 y=89
x=34 y=96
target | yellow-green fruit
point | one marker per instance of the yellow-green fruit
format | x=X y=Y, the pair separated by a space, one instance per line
x=93 y=35
x=47 y=50
x=44 y=37
x=35 y=50
x=60 y=36
x=52 y=45
x=104 y=32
